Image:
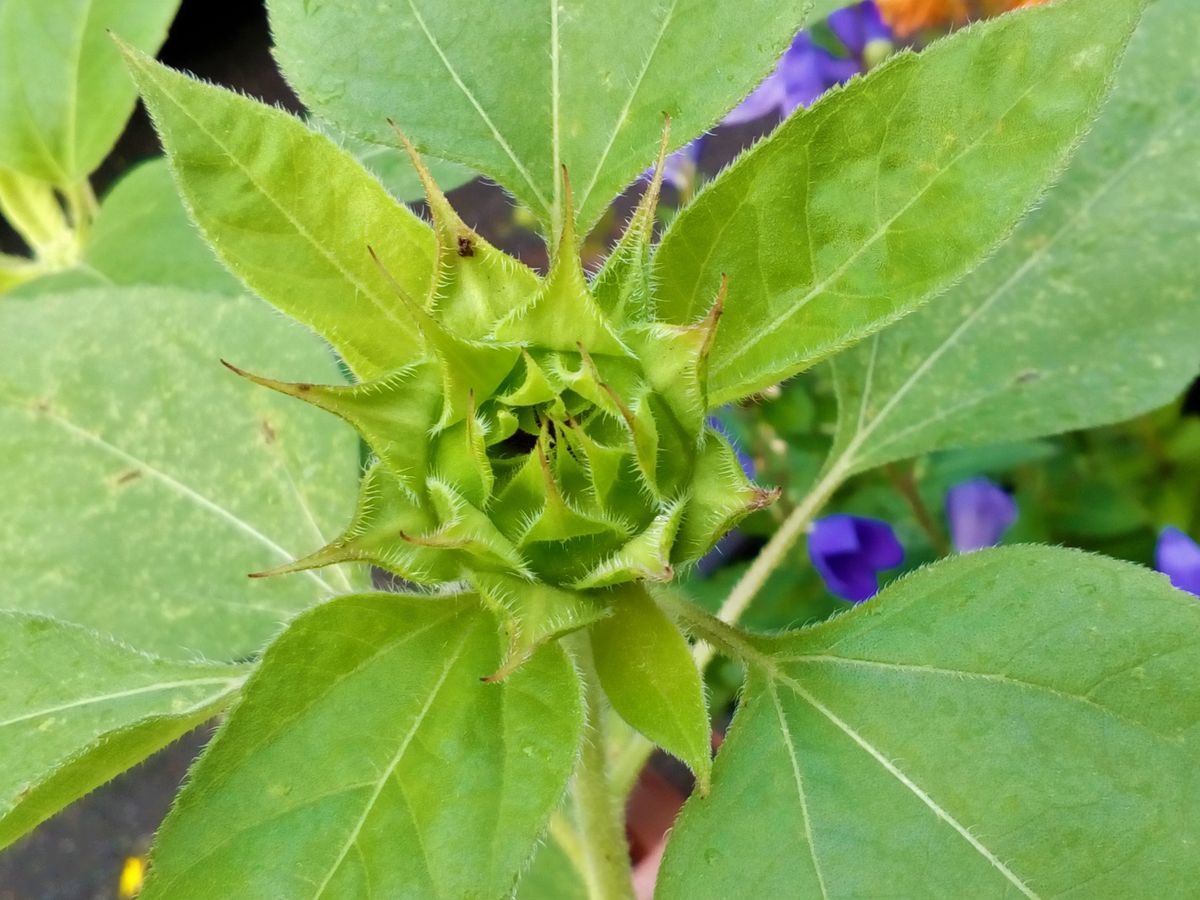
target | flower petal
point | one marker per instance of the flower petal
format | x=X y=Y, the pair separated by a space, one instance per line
x=856 y=26
x=766 y=99
x=979 y=512
x=1178 y=557
x=849 y=552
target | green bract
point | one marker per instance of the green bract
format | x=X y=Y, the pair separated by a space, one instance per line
x=529 y=433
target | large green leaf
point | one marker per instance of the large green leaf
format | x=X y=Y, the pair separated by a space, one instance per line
x=855 y=212
x=583 y=84
x=367 y=759
x=142 y=481
x=1091 y=312
x=77 y=709
x=293 y=215
x=1014 y=722
x=64 y=96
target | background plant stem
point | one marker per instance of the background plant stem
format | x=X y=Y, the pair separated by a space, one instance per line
x=772 y=555
x=905 y=483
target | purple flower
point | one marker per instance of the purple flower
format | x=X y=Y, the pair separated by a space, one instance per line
x=979 y=512
x=860 y=26
x=1178 y=557
x=807 y=70
x=851 y=551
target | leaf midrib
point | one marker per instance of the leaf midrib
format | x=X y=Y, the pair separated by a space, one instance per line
x=386 y=776
x=624 y=114
x=230 y=683
x=75 y=61
x=477 y=106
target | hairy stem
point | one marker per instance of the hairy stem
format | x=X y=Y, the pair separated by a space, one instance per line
x=708 y=628
x=599 y=815
x=776 y=550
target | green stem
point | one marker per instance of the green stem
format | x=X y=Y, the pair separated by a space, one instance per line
x=82 y=208
x=776 y=550
x=708 y=628
x=599 y=815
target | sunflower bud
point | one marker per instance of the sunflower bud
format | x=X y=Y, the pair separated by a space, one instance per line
x=551 y=440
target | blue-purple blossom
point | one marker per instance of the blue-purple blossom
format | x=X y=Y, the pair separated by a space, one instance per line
x=979 y=512
x=1178 y=557
x=862 y=31
x=850 y=551
x=808 y=70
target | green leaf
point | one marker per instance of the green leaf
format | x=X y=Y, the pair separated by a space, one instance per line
x=77 y=709
x=142 y=235
x=1088 y=316
x=64 y=96
x=821 y=9
x=149 y=481
x=856 y=211
x=391 y=165
x=520 y=88
x=367 y=759
x=1014 y=722
x=648 y=674
x=293 y=216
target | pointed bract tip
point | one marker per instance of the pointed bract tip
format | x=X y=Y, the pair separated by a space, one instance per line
x=764 y=498
x=567 y=237
x=405 y=144
x=510 y=665
x=663 y=147
x=443 y=213
x=234 y=369
x=128 y=50
x=713 y=318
